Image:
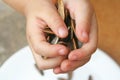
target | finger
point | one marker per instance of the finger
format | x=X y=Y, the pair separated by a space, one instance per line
x=57 y=70
x=48 y=50
x=82 y=13
x=83 y=17
x=68 y=66
x=49 y=63
x=38 y=41
x=89 y=47
x=55 y=22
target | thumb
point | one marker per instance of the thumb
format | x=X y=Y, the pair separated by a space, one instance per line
x=83 y=16
x=55 y=22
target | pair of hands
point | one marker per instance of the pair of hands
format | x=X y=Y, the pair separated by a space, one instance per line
x=42 y=13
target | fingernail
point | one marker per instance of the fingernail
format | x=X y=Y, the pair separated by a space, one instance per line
x=62 y=52
x=62 y=32
x=74 y=57
x=85 y=36
x=57 y=71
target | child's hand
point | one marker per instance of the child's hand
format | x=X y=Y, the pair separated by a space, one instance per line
x=40 y=14
x=86 y=31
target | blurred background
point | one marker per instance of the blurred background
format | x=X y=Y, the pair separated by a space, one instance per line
x=12 y=32
x=13 y=37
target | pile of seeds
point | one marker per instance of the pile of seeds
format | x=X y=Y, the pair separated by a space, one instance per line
x=71 y=40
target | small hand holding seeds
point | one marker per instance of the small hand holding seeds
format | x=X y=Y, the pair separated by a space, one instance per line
x=42 y=15
x=86 y=32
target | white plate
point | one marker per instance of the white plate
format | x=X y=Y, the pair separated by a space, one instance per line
x=21 y=67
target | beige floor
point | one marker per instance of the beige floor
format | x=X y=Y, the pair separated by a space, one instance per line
x=12 y=29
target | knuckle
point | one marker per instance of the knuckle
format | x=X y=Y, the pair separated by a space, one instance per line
x=82 y=55
x=57 y=22
x=36 y=49
x=66 y=66
x=88 y=59
x=42 y=67
x=93 y=49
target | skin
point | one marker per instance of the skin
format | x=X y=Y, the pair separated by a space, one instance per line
x=42 y=13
